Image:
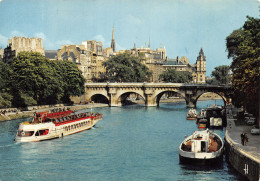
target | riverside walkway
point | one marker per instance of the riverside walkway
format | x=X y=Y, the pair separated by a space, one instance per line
x=245 y=159
x=29 y=113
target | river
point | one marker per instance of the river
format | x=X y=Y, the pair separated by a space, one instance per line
x=130 y=143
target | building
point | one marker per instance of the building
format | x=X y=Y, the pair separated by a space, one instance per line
x=88 y=56
x=200 y=68
x=113 y=42
x=51 y=54
x=1 y=54
x=19 y=44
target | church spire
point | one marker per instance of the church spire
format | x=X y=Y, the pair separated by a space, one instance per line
x=113 y=43
x=149 y=42
x=201 y=55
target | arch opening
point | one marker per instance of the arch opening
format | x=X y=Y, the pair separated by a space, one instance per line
x=99 y=98
x=130 y=98
x=169 y=96
x=213 y=96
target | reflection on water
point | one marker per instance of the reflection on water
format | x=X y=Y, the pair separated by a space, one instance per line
x=130 y=143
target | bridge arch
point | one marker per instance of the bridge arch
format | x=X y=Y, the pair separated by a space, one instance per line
x=159 y=95
x=121 y=99
x=93 y=96
x=99 y=98
x=220 y=94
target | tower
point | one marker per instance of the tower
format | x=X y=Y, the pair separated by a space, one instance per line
x=201 y=68
x=149 y=42
x=113 y=43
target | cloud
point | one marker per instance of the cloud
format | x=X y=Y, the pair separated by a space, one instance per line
x=40 y=35
x=59 y=43
x=103 y=40
x=134 y=20
x=3 y=41
x=100 y=38
x=119 y=47
x=17 y=33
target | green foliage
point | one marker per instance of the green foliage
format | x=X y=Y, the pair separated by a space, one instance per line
x=34 y=76
x=22 y=100
x=126 y=68
x=171 y=75
x=37 y=80
x=221 y=74
x=243 y=47
x=212 y=81
x=5 y=71
x=70 y=79
x=5 y=97
x=5 y=100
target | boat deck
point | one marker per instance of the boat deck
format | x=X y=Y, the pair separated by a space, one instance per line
x=213 y=146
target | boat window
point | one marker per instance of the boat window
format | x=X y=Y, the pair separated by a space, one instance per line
x=203 y=146
x=57 y=120
x=25 y=133
x=42 y=132
x=47 y=120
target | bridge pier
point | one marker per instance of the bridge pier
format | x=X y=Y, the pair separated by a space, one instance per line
x=149 y=98
x=149 y=101
x=190 y=100
x=113 y=102
x=190 y=104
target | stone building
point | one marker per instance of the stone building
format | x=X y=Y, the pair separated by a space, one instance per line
x=19 y=44
x=88 y=57
x=153 y=59
x=51 y=54
x=1 y=54
x=200 y=68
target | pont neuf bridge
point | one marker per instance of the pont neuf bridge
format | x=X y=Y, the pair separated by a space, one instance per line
x=116 y=93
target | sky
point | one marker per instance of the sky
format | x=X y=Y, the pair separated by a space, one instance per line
x=183 y=27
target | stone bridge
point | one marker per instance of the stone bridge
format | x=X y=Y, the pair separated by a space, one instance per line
x=116 y=93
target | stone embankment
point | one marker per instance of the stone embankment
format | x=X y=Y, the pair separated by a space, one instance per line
x=244 y=159
x=29 y=113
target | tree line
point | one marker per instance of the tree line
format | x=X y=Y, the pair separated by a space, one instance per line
x=33 y=79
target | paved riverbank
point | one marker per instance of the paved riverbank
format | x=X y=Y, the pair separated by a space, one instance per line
x=245 y=159
x=24 y=114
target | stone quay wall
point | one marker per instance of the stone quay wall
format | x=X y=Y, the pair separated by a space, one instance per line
x=244 y=163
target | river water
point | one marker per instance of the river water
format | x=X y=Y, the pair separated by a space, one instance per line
x=130 y=143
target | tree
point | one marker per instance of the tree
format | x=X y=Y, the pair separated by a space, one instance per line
x=5 y=96
x=47 y=82
x=221 y=74
x=5 y=100
x=4 y=76
x=171 y=75
x=243 y=47
x=70 y=79
x=34 y=76
x=126 y=68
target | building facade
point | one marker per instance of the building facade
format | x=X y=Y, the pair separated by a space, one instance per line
x=88 y=57
x=19 y=44
x=200 y=68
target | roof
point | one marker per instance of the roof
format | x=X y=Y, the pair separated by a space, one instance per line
x=172 y=62
x=51 y=54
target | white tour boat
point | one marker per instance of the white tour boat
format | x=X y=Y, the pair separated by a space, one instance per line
x=50 y=125
x=201 y=147
x=192 y=114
